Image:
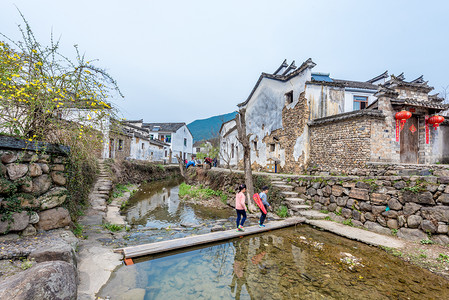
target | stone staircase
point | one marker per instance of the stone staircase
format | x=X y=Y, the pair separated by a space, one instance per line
x=296 y=206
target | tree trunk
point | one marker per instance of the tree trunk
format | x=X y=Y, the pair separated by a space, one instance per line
x=243 y=138
x=181 y=166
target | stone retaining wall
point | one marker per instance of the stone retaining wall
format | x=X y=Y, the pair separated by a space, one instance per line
x=412 y=207
x=32 y=186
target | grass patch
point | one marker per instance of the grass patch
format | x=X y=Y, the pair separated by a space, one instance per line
x=282 y=211
x=348 y=222
x=113 y=227
x=200 y=192
x=427 y=242
x=443 y=258
x=338 y=211
x=324 y=211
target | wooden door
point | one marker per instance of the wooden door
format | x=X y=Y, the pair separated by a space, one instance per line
x=409 y=141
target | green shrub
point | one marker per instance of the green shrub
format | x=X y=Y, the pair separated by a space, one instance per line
x=282 y=211
x=426 y=242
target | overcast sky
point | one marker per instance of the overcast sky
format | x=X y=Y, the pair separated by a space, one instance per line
x=177 y=61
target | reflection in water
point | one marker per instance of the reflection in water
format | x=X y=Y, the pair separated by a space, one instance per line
x=301 y=263
x=157 y=205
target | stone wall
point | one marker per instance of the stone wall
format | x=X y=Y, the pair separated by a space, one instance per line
x=413 y=207
x=32 y=186
x=343 y=141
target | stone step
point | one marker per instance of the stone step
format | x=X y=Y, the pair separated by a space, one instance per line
x=312 y=214
x=295 y=200
x=277 y=182
x=289 y=194
x=300 y=207
x=276 y=179
x=284 y=187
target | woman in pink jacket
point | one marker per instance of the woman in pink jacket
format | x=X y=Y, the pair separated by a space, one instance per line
x=240 y=207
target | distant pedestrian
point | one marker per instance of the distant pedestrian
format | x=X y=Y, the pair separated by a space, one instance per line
x=190 y=163
x=263 y=196
x=215 y=162
x=208 y=161
x=240 y=207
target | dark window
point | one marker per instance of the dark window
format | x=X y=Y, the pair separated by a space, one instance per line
x=165 y=153
x=198 y=149
x=120 y=144
x=272 y=147
x=255 y=145
x=360 y=102
x=151 y=136
x=232 y=150
x=289 y=98
x=143 y=146
x=168 y=138
x=185 y=142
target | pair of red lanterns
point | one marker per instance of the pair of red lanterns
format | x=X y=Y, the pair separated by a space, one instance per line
x=402 y=116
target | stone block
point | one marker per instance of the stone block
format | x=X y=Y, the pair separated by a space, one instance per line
x=34 y=217
x=414 y=221
x=327 y=190
x=317 y=206
x=16 y=171
x=412 y=234
x=379 y=199
x=19 y=221
x=402 y=220
x=55 y=252
x=58 y=167
x=438 y=213
x=29 y=231
x=356 y=215
x=392 y=214
x=399 y=185
x=45 y=168
x=392 y=224
x=341 y=201
x=362 y=185
x=377 y=210
x=444 y=199
x=27 y=186
x=360 y=194
x=346 y=213
x=28 y=201
x=53 y=218
x=382 y=221
x=443 y=228
x=394 y=204
x=351 y=203
x=337 y=190
x=54 y=197
x=441 y=239
x=58 y=178
x=421 y=198
x=41 y=184
x=8 y=157
x=372 y=226
x=429 y=226
x=35 y=170
x=365 y=206
x=443 y=179
x=332 y=207
x=311 y=192
x=411 y=208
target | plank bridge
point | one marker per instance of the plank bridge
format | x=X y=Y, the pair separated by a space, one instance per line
x=165 y=246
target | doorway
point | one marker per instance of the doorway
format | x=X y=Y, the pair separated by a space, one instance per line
x=409 y=141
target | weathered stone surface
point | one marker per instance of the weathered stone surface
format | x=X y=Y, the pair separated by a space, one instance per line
x=135 y=294
x=327 y=190
x=332 y=207
x=360 y=194
x=35 y=170
x=58 y=251
x=29 y=231
x=317 y=206
x=394 y=204
x=34 y=217
x=414 y=221
x=365 y=206
x=441 y=239
x=443 y=179
x=350 y=203
x=311 y=192
x=28 y=201
x=58 y=178
x=392 y=223
x=27 y=187
x=3 y=169
x=356 y=215
x=41 y=184
x=372 y=226
x=370 y=217
x=217 y=228
x=44 y=158
x=422 y=198
x=392 y=214
x=402 y=220
x=16 y=171
x=55 y=280
x=45 y=168
x=58 y=167
x=438 y=213
x=341 y=201
x=428 y=226
x=444 y=199
x=411 y=208
x=19 y=221
x=54 y=197
x=379 y=199
x=411 y=234
x=362 y=185
x=399 y=185
x=9 y=157
x=441 y=173
x=443 y=228
x=346 y=213
x=382 y=221
x=376 y=210
x=432 y=188
x=53 y=218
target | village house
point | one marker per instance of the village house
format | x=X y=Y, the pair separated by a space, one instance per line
x=297 y=118
x=201 y=147
x=176 y=135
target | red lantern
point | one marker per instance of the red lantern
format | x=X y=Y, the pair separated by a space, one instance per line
x=401 y=117
x=435 y=121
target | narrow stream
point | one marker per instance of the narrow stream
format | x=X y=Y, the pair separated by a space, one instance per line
x=293 y=263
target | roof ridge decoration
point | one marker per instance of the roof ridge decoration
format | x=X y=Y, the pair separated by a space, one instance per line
x=381 y=76
x=291 y=67
x=417 y=84
x=308 y=64
x=283 y=65
x=418 y=80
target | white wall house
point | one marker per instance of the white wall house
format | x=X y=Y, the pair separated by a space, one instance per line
x=279 y=97
x=231 y=151
x=176 y=135
x=201 y=147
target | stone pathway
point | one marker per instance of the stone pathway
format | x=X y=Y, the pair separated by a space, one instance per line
x=299 y=207
x=96 y=261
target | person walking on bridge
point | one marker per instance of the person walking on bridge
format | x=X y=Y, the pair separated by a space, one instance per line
x=240 y=207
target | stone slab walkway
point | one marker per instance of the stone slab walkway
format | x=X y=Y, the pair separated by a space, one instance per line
x=165 y=246
x=364 y=236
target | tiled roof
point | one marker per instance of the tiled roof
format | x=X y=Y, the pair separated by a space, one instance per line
x=170 y=127
x=348 y=115
x=356 y=84
x=426 y=104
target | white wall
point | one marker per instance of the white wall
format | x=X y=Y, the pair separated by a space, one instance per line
x=226 y=146
x=349 y=97
x=177 y=144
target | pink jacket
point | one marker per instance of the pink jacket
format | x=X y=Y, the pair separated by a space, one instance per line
x=240 y=201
